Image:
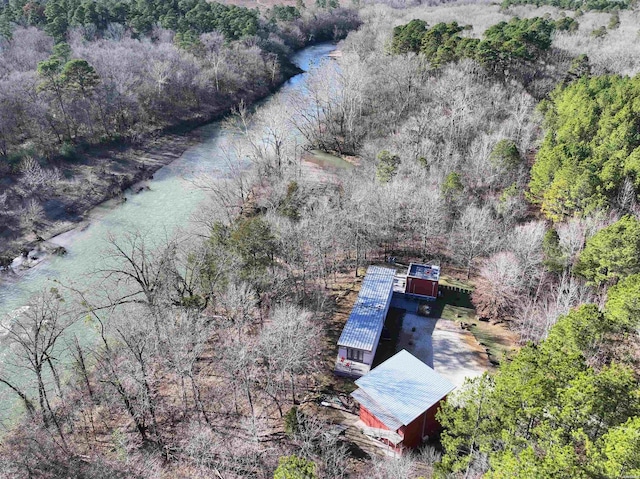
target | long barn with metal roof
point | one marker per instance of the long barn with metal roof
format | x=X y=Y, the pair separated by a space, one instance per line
x=359 y=339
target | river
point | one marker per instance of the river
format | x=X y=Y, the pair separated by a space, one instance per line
x=168 y=205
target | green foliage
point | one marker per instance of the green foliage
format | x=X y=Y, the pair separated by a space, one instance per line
x=467 y=428
x=578 y=5
x=195 y=16
x=452 y=185
x=66 y=80
x=623 y=303
x=515 y=41
x=294 y=467
x=557 y=461
x=617 y=453
x=599 y=32
x=440 y=43
x=285 y=13
x=57 y=17
x=5 y=25
x=68 y=151
x=214 y=270
x=291 y=423
x=408 y=38
x=188 y=40
x=577 y=333
x=505 y=155
x=61 y=52
x=79 y=75
x=290 y=205
x=567 y=24
x=611 y=254
x=580 y=67
x=502 y=46
x=554 y=259
x=508 y=195
x=74 y=74
x=591 y=144
x=387 y=166
x=614 y=21
x=539 y=413
x=49 y=69
x=243 y=250
x=253 y=241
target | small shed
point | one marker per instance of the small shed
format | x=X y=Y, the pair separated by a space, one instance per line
x=359 y=339
x=399 y=400
x=422 y=280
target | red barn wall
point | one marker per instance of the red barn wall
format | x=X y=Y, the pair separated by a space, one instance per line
x=370 y=420
x=412 y=434
x=424 y=425
x=411 y=437
x=431 y=425
x=422 y=287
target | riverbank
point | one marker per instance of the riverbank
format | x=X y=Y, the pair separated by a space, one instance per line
x=103 y=172
x=173 y=204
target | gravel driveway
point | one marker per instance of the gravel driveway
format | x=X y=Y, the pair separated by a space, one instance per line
x=443 y=345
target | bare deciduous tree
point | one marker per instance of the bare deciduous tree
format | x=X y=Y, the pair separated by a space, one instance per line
x=474 y=234
x=35 y=337
x=537 y=315
x=499 y=286
x=525 y=242
x=287 y=344
x=31 y=215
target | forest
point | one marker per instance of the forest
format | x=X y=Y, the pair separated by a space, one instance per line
x=500 y=142
x=61 y=86
x=77 y=75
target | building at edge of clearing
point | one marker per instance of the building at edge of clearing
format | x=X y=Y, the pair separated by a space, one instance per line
x=422 y=280
x=361 y=334
x=399 y=400
x=359 y=339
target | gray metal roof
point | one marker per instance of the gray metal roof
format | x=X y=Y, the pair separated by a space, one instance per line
x=378 y=411
x=404 y=386
x=367 y=317
x=424 y=271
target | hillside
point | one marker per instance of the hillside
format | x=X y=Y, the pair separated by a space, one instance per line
x=494 y=146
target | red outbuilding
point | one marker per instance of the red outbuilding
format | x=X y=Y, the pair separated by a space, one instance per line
x=422 y=280
x=399 y=400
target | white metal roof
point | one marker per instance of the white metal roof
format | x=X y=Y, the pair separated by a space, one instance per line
x=424 y=271
x=367 y=317
x=378 y=411
x=404 y=387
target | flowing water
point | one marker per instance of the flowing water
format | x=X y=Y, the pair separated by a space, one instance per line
x=168 y=205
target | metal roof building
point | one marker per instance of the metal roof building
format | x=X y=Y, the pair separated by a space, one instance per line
x=424 y=271
x=366 y=320
x=399 y=400
x=422 y=280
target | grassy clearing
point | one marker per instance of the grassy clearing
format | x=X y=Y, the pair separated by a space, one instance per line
x=453 y=305
x=499 y=342
x=457 y=306
x=446 y=280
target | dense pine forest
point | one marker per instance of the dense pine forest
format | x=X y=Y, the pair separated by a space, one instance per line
x=501 y=142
